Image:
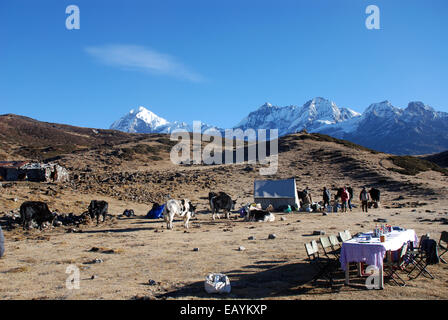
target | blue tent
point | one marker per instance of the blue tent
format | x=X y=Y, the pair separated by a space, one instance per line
x=156 y=212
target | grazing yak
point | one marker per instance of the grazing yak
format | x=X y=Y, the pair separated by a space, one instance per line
x=182 y=208
x=255 y=214
x=220 y=201
x=98 y=208
x=37 y=211
x=375 y=194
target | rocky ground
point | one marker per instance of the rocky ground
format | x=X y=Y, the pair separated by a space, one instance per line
x=133 y=257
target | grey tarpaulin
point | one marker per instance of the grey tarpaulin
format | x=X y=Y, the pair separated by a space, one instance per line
x=279 y=193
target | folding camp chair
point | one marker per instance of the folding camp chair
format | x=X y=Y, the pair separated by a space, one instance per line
x=348 y=234
x=444 y=247
x=391 y=268
x=344 y=235
x=325 y=267
x=419 y=259
x=328 y=248
x=336 y=245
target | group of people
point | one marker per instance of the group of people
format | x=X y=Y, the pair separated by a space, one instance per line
x=346 y=195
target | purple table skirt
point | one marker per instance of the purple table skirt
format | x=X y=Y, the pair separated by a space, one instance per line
x=374 y=253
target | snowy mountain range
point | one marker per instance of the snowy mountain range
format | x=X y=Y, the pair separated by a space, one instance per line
x=314 y=116
x=417 y=129
x=144 y=121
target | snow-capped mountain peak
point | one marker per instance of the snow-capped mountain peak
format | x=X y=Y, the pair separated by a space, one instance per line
x=418 y=107
x=142 y=120
x=149 y=117
x=383 y=109
x=266 y=105
x=312 y=115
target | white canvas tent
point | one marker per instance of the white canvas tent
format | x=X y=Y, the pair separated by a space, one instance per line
x=279 y=193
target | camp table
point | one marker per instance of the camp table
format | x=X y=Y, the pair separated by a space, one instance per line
x=373 y=251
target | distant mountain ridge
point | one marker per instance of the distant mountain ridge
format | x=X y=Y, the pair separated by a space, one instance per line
x=417 y=129
x=313 y=116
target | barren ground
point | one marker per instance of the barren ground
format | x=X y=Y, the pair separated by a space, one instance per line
x=34 y=266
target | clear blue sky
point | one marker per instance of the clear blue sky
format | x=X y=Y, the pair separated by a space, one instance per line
x=214 y=60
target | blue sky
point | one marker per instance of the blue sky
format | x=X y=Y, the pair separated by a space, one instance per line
x=214 y=60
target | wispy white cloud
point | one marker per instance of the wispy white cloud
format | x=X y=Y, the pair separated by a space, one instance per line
x=133 y=57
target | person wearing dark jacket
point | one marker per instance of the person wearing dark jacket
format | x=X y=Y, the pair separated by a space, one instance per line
x=2 y=243
x=364 y=198
x=326 y=196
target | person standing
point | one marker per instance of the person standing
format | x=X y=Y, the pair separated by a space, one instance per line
x=350 y=198
x=2 y=243
x=344 y=199
x=326 y=197
x=364 y=198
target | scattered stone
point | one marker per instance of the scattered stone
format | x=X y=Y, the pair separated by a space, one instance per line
x=272 y=236
x=248 y=169
x=94 y=249
x=94 y=261
x=57 y=223
x=128 y=213
x=152 y=282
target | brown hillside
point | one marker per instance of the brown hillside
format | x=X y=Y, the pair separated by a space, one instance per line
x=28 y=138
x=441 y=159
x=134 y=171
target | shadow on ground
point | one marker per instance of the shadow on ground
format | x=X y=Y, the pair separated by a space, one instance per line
x=268 y=279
